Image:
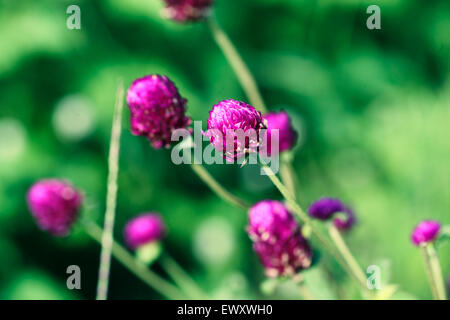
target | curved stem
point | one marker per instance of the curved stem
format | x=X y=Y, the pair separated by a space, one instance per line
x=111 y=196
x=152 y=279
x=217 y=187
x=346 y=253
x=305 y=218
x=180 y=277
x=241 y=70
x=434 y=272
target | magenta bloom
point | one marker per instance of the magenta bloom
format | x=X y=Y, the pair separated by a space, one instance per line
x=425 y=232
x=325 y=208
x=143 y=229
x=233 y=128
x=157 y=109
x=187 y=10
x=55 y=205
x=277 y=239
x=286 y=133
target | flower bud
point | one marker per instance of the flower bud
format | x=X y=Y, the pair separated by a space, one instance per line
x=233 y=128
x=55 y=205
x=325 y=208
x=286 y=134
x=187 y=10
x=143 y=229
x=426 y=231
x=157 y=109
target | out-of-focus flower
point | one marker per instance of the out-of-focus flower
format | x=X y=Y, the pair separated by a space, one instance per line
x=143 y=229
x=426 y=231
x=277 y=239
x=286 y=134
x=187 y=10
x=157 y=109
x=326 y=208
x=234 y=128
x=55 y=205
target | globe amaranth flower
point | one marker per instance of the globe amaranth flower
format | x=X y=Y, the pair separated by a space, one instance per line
x=187 y=10
x=287 y=136
x=277 y=239
x=55 y=205
x=157 y=109
x=234 y=128
x=426 y=231
x=326 y=208
x=144 y=229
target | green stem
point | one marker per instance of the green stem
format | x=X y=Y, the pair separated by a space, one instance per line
x=346 y=254
x=305 y=218
x=288 y=177
x=433 y=270
x=217 y=187
x=181 y=278
x=241 y=70
x=152 y=279
x=111 y=197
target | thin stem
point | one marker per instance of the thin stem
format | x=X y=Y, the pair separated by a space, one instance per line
x=288 y=177
x=217 y=187
x=433 y=270
x=152 y=279
x=345 y=252
x=304 y=217
x=111 y=196
x=237 y=63
x=181 y=278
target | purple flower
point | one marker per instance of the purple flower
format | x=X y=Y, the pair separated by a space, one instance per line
x=143 y=229
x=157 y=109
x=233 y=128
x=325 y=208
x=187 y=10
x=286 y=133
x=55 y=205
x=425 y=232
x=277 y=239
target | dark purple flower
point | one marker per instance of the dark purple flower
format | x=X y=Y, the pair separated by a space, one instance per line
x=286 y=134
x=55 y=205
x=143 y=229
x=187 y=10
x=426 y=231
x=325 y=208
x=277 y=239
x=157 y=109
x=233 y=128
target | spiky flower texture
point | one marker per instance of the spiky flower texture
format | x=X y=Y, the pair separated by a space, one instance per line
x=157 y=109
x=277 y=239
x=55 y=204
x=187 y=10
x=234 y=127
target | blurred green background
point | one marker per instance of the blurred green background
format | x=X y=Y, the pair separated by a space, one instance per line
x=372 y=109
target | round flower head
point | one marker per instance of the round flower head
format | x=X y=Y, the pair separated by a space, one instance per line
x=143 y=229
x=233 y=128
x=277 y=239
x=270 y=221
x=286 y=134
x=325 y=208
x=157 y=109
x=425 y=232
x=55 y=205
x=187 y=10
